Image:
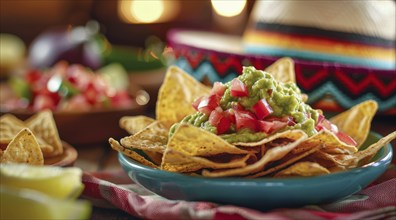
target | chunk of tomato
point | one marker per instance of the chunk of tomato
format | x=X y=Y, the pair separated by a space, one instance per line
x=121 y=99
x=320 y=118
x=265 y=126
x=271 y=126
x=262 y=109
x=208 y=104
x=326 y=124
x=346 y=138
x=215 y=117
x=42 y=102
x=223 y=126
x=245 y=119
x=218 y=89
x=196 y=102
x=238 y=88
x=91 y=94
x=33 y=76
x=288 y=119
x=220 y=121
x=230 y=114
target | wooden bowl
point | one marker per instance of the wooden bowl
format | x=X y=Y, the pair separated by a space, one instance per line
x=88 y=128
x=66 y=159
x=81 y=128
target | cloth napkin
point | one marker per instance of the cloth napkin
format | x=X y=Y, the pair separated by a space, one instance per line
x=114 y=189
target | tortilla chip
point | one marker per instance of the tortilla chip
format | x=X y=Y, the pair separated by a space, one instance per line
x=357 y=159
x=134 y=124
x=44 y=127
x=333 y=160
x=282 y=70
x=152 y=138
x=329 y=141
x=336 y=151
x=284 y=162
x=284 y=134
x=356 y=121
x=194 y=141
x=175 y=96
x=130 y=153
x=367 y=154
x=154 y=156
x=303 y=169
x=272 y=154
x=23 y=149
x=9 y=127
x=172 y=161
x=336 y=168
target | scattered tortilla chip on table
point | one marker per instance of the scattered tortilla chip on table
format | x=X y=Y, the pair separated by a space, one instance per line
x=44 y=127
x=23 y=149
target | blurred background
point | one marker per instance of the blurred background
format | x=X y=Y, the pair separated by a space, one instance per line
x=127 y=22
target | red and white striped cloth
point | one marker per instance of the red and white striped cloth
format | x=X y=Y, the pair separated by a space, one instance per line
x=115 y=189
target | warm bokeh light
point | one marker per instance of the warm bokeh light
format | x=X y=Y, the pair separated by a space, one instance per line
x=147 y=11
x=228 y=8
x=151 y=11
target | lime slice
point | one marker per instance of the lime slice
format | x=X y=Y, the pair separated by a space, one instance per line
x=18 y=203
x=54 y=181
x=115 y=75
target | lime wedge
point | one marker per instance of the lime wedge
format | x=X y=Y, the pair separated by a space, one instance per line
x=115 y=75
x=54 y=181
x=18 y=203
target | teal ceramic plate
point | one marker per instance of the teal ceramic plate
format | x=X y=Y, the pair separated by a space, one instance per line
x=261 y=193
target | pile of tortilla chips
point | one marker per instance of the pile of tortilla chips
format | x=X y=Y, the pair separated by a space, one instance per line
x=29 y=141
x=192 y=150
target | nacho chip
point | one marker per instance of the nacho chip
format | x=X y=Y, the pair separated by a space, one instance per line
x=130 y=153
x=23 y=149
x=176 y=161
x=356 y=121
x=154 y=157
x=194 y=141
x=152 y=138
x=345 y=161
x=303 y=169
x=367 y=154
x=282 y=70
x=284 y=162
x=275 y=153
x=44 y=127
x=329 y=141
x=9 y=127
x=175 y=96
x=134 y=124
x=326 y=159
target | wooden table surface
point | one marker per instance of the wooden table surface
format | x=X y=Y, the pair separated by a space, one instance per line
x=101 y=157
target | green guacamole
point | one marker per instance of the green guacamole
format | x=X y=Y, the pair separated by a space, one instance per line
x=285 y=99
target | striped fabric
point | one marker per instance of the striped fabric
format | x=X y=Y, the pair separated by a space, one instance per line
x=334 y=31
